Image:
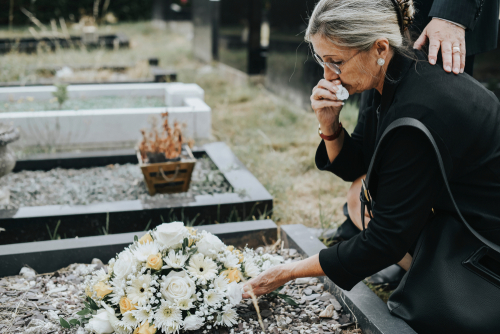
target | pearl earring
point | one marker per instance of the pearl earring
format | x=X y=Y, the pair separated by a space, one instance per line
x=381 y=61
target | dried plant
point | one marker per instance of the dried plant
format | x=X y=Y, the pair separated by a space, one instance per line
x=168 y=141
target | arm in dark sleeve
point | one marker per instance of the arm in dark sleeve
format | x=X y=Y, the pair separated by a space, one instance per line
x=464 y=12
x=350 y=163
x=408 y=185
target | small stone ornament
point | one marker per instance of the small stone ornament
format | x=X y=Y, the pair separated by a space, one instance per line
x=327 y=312
x=8 y=134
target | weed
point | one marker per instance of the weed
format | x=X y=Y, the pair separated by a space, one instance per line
x=54 y=236
x=105 y=230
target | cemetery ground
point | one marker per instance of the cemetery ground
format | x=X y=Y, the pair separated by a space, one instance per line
x=276 y=140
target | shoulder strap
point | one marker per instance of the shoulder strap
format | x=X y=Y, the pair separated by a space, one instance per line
x=407 y=121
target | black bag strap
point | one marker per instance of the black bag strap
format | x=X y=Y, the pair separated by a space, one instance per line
x=408 y=121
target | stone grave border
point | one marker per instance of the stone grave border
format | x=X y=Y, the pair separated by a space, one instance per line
x=90 y=128
x=370 y=311
x=46 y=256
x=250 y=197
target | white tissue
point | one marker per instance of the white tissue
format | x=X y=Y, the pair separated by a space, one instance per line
x=342 y=93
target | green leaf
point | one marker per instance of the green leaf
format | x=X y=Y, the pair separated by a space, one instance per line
x=74 y=322
x=185 y=243
x=193 y=251
x=288 y=299
x=92 y=303
x=136 y=239
x=84 y=312
x=64 y=323
x=279 y=289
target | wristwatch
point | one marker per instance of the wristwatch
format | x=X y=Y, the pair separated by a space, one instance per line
x=332 y=137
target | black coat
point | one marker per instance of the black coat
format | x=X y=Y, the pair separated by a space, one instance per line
x=464 y=118
x=479 y=16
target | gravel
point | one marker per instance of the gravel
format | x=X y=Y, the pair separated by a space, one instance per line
x=101 y=184
x=32 y=303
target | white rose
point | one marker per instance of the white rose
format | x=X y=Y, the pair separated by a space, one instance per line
x=234 y=293
x=193 y=322
x=275 y=260
x=124 y=265
x=251 y=269
x=99 y=323
x=170 y=234
x=177 y=286
x=210 y=245
x=266 y=265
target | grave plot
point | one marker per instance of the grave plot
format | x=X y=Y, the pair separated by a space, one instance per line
x=321 y=306
x=89 y=124
x=92 y=193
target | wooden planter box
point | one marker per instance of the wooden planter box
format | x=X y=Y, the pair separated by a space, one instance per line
x=168 y=177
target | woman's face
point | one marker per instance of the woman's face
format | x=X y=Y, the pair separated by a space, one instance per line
x=360 y=70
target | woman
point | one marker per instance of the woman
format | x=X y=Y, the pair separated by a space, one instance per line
x=363 y=44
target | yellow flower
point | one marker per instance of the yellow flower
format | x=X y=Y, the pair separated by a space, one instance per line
x=145 y=329
x=233 y=275
x=191 y=230
x=102 y=289
x=154 y=261
x=126 y=305
x=88 y=292
x=145 y=238
x=230 y=248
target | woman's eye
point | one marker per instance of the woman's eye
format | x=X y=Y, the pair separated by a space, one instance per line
x=335 y=62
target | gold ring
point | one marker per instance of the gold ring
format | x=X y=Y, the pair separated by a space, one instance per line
x=456 y=49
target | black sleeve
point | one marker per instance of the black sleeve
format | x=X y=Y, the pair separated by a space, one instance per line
x=465 y=12
x=409 y=182
x=350 y=163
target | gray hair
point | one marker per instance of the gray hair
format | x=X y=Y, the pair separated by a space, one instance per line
x=358 y=24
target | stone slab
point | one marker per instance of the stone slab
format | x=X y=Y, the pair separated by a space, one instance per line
x=48 y=256
x=370 y=311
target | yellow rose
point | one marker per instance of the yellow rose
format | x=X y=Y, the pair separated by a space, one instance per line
x=230 y=248
x=145 y=238
x=88 y=292
x=233 y=275
x=126 y=305
x=145 y=329
x=154 y=261
x=102 y=289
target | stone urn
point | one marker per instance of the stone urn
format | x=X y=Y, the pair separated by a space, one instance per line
x=8 y=134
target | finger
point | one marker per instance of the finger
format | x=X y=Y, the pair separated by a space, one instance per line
x=434 y=45
x=463 y=54
x=321 y=94
x=447 y=55
x=457 y=55
x=421 y=40
x=321 y=104
x=328 y=85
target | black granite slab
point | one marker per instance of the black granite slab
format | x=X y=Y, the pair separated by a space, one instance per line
x=370 y=311
x=32 y=223
x=48 y=256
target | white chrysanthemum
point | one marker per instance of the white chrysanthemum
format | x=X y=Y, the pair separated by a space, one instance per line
x=231 y=261
x=234 y=293
x=210 y=245
x=193 y=322
x=118 y=291
x=251 y=269
x=168 y=317
x=139 y=292
x=202 y=268
x=213 y=297
x=142 y=251
x=266 y=265
x=174 y=260
x=221 y=282
x=142 y=315
x=229 y=318
x=130 y=320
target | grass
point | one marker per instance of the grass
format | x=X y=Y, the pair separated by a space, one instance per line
x=275 y=139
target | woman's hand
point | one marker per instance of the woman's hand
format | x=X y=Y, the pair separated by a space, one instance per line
x=268 y=281
x=326 y=106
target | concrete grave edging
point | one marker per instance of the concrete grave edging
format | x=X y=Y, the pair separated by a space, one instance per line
x=370 y=311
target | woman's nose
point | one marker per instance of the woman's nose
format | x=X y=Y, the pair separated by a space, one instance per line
x=330 y=74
